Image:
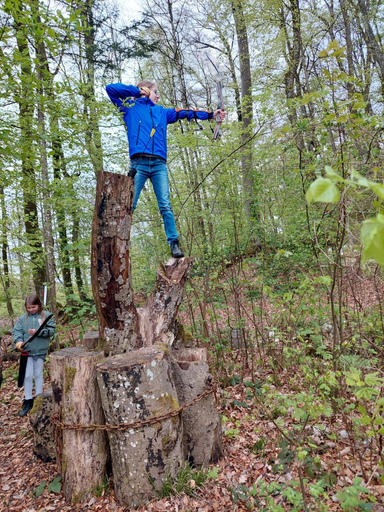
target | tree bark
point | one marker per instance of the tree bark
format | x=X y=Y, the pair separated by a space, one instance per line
x=43 y=429
x=136 y=386
x=111 y=265
x=81 y=454
x=251 y=208
x=202 y=438
x=158 y=316
x=122 y=326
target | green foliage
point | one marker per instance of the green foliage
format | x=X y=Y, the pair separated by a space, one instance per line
x=104 y=488
x=350 y=497
x=39 y=489
x=55 y=485
x=187 y=481
x=372 y=230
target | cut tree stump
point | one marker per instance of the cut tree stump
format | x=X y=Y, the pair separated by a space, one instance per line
x=201 y=421
x=111 y=265
x=158 y=316
x=136 y=386
x=43 y=429
x=81 y=454
x=91 y=339
x=122 y=326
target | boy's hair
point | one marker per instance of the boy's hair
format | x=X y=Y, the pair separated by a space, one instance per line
x=145 y=83
x=33 y=300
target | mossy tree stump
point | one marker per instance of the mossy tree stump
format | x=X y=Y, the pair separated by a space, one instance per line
x=135 y=386
x=81 y=455
x=43 y=429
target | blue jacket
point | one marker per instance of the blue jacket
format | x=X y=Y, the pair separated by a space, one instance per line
x=39 y=346
x=142 y=116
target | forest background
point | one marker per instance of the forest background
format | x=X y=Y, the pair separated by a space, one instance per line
x=282 y=215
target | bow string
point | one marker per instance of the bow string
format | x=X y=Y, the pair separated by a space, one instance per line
x=220 y=104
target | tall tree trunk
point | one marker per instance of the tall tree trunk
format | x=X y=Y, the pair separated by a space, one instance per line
x=349 y=45
x=250 y=193
x=58 y=161
x=371 y=41
x=76 y=257
x=92 y=131
x=26 y=103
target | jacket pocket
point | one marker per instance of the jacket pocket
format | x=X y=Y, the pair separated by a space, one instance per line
x=138 y=133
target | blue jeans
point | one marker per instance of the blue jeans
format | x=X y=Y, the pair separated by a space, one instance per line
x=156 y=170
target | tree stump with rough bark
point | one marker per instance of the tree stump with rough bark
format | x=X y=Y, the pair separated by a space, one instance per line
x=122 y=326
x=201 y=422
x=43 y=429
x=111 y=265
x=81 y=454
x=136 y=386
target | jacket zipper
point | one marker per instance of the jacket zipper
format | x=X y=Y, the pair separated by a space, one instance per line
x=153 y=138
x=138 y=133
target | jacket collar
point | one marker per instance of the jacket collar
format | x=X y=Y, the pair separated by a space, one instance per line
x=145 y=101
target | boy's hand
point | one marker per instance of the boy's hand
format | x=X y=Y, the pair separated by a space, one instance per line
x=145 y=91
x=221 y=112
x=31 y=331
x=18 y=345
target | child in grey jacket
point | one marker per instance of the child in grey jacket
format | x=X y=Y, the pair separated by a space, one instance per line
x=25 y=327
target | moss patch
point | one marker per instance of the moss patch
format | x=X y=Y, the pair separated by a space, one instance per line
x=163 y=347
x=168 y=403
x=168 y=443
x=69 y=378
x=37 y=404
x=102 y=345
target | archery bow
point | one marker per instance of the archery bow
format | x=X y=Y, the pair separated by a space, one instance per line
x=24 y=354
x=220 y=104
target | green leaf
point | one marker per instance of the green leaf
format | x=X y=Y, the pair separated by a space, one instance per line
x=333 y=174
x=55 y=485
x=377 y=188
x=323 y=190
x=359 y=105
x=372 y=238
x=39 y=489
x=353 y=378
x=371 y=379
x=359 y=178
x=366 y=393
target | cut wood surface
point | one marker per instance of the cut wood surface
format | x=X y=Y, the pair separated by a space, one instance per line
x=81 y=454
x=136 y=386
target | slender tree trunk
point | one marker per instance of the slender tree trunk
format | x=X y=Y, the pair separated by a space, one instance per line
x=92 y=131
x=26 y=103
x=251 y=208
x=371 y=41
x=4 y=252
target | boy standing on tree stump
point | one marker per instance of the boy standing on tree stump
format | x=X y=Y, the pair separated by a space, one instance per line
x=147 y=137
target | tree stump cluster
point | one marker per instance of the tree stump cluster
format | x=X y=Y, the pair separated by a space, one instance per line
x=137 y=390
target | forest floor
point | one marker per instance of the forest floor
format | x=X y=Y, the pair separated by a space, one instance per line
x=252 y=455
x=274 y=453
